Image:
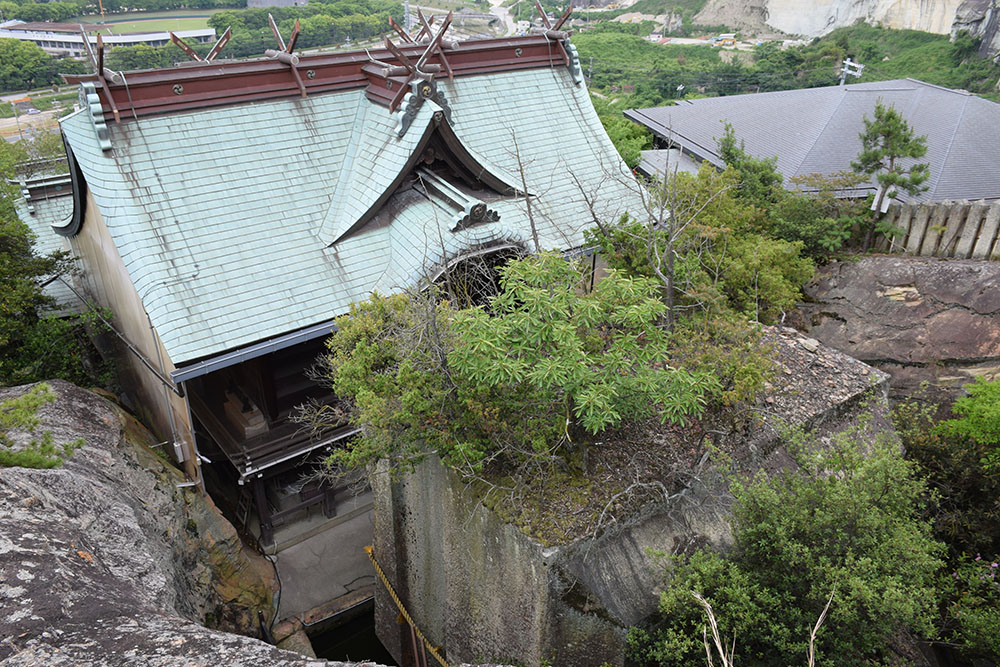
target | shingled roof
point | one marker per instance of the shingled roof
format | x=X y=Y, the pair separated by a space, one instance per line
x=243 y=214
x=815 y=130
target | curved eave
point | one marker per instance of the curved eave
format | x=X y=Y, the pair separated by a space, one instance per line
x=71 y=226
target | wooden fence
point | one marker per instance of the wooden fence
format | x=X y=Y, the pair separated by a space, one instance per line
x=945 y=229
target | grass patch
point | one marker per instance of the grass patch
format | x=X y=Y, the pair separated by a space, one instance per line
x=20 y=414
x=157 y=25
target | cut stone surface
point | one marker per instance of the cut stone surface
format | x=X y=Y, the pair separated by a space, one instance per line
x=487 y=591
x=919 y=319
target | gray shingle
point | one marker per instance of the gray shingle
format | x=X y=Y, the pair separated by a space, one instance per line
x=816 y=130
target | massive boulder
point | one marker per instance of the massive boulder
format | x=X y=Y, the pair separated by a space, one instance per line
x=919 y=319
x=107 y=560
x=486 y=590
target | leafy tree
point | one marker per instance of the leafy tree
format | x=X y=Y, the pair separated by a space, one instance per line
x=35 y=344
x=966 y=514
x=818 y=217
x=703 y=242
x=528 y=378
x=888 y=147
x=848 y=521
x=759 y=179
x=979 y=418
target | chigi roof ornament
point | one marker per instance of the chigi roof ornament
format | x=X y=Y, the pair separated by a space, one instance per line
x=417 y=75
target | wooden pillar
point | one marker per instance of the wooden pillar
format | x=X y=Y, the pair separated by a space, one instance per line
x=263 y=512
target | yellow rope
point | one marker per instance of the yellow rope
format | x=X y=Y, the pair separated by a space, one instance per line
x=402 y=609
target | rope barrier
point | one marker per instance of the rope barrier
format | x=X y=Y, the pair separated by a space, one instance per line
x=402 y=609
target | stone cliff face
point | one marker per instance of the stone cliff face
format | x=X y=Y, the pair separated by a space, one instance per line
x=487 y=591
x=981 y=18
x=814 y=18
x=919 y=319
x=106 y=561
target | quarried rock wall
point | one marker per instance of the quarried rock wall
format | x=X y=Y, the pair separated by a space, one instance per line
x=487 y=592
x=920 y=319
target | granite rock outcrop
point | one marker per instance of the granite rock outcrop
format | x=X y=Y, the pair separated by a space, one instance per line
x=108 y=560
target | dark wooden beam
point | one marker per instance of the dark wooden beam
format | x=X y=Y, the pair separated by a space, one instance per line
x=209 y=84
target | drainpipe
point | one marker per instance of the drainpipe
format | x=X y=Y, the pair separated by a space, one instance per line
x=198 y=458
x=190 y=466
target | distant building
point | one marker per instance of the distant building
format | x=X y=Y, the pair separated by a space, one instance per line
x=64 y=39
x=260 y=4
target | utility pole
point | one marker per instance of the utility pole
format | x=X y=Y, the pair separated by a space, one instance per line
x=407 y=20
x=590 y=72
x=852 y=68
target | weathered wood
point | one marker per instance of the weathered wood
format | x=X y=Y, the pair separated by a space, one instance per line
x=905 y=221
x=263 y=511
x=953 y=227
x=918 y=229
x=183 y=46
x=882 y=242
x=935 y=226
x=988 y=233
x=970 y=231
x=226 y=36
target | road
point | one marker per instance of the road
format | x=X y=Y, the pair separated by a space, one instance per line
x=510 y=26
x=44 y=120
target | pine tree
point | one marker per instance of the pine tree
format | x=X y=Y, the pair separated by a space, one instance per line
x=886 y=144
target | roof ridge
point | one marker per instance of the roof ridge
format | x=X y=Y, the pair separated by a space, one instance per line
x=822 y=130
x=333 y=223
x=947 y=151
x=957 y=91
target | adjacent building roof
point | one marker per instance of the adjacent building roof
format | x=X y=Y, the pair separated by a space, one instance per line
x=816 y=130
x=46 y=201
x=240 y=222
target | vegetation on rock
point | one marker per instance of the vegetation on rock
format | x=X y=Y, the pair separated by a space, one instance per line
x=530 y=377
x=956 y=455
x=35 y=343
x=846 y=520
x=20 y=414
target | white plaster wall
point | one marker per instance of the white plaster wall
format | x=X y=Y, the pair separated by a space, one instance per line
x=107 y=281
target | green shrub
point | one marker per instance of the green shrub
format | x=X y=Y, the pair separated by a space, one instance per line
x=20 y=413
x=848 y=521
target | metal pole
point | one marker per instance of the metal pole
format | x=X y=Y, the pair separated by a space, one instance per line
x=17 y=120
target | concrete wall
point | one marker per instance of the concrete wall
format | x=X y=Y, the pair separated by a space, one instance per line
x=488 y=593
x=105 y=279
x=945 y=229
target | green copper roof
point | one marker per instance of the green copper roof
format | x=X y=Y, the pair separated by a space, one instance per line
x=231 y=220
x=40 y=215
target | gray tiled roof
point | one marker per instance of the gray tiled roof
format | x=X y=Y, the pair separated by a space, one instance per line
x=224 y=217
x=816 y=130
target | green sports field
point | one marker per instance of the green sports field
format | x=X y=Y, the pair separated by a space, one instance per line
x=121 y=24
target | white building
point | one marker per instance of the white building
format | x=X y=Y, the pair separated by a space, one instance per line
x=64 y=39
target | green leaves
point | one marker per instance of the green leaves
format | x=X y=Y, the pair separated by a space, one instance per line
x=544 y=360
x=847 y=521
